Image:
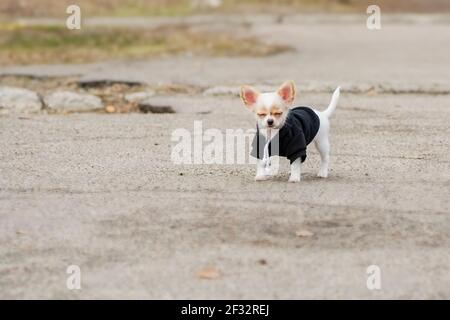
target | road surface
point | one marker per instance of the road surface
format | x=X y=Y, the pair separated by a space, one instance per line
x=100 y=191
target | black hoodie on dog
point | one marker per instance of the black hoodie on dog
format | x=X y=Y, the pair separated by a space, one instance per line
x=299 y=129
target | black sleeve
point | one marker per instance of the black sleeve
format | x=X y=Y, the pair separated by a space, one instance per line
x=257 y=151
x=296 y=147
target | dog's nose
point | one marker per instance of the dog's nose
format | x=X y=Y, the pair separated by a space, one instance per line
x=270 y=122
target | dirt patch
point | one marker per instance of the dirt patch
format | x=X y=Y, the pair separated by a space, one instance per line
x=112 y=93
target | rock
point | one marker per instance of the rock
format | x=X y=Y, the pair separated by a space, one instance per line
x=138 y=97
x=304 y=233
x=96 y=83
x=17 y=100
x=110 y=109
x=67 y=101
x=152 y=108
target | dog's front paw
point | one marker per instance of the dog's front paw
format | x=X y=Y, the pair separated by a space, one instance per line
x=322 y=173
x=261 y=177
x=293 y=179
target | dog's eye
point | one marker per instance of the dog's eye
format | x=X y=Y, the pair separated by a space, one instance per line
x=278 y=113
x=262 y=114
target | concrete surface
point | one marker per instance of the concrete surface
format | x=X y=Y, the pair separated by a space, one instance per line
x=101 y=192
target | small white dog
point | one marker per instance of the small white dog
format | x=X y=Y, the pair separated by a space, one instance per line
x=286 y=131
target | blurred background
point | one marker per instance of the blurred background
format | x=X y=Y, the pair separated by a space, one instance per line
x=33 y=31
x=53 y=8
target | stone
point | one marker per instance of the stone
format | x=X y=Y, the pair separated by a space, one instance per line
x=18 y=100
x=68 y=101
x=138 y=97
x=110 y=109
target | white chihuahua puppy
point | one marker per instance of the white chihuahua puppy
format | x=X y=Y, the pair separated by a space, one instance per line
x=286 y=131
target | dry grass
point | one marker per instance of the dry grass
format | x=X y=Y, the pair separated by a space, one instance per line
x=55 y=44
x=56 y=8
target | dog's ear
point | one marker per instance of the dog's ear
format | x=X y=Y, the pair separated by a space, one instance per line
x=249 y=95
x=287 y=91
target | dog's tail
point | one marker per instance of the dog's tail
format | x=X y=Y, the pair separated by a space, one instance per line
x=334 y=99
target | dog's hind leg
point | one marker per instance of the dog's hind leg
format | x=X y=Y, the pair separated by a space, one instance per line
x=322 y=144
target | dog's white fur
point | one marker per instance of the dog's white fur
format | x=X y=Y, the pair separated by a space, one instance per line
x=271 y=110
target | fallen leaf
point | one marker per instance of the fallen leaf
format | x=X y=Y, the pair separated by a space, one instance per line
x=304 y=233
x=262 y=262
x=110 y=109
x=208 y=273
